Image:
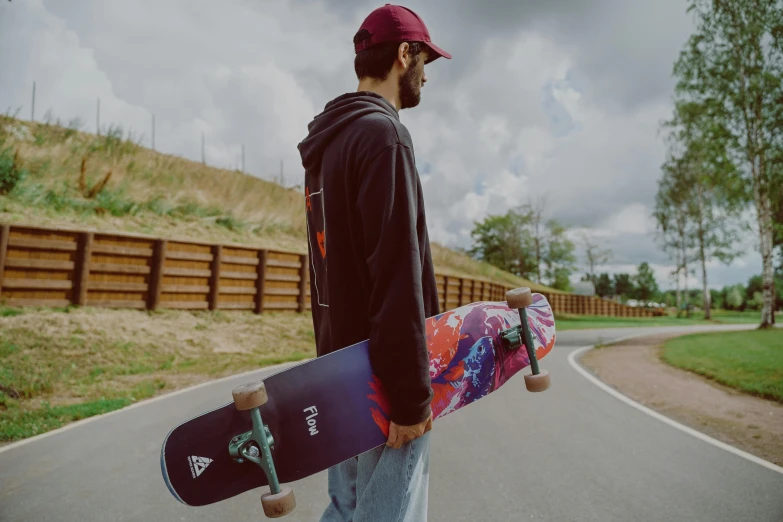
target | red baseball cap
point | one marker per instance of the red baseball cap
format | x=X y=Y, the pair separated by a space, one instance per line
x=395 y=23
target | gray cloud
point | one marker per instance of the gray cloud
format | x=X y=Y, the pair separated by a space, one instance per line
x=625 y=50
x=557 y=99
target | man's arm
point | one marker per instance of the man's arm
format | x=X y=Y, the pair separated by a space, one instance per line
x=388 y=204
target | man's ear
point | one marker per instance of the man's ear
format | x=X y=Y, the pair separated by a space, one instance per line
x=403 y=55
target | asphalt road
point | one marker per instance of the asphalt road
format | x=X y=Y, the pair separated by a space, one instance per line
x=573 y=453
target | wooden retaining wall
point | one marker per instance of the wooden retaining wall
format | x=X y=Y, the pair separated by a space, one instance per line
x=57 y=268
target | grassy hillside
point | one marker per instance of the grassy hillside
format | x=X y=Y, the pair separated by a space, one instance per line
x=58 y=366
x=110 y=182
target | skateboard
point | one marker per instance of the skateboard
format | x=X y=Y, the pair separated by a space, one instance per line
x=309 y=417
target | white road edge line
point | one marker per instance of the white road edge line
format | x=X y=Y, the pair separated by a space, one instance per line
x=690 y=431
x=141 y=403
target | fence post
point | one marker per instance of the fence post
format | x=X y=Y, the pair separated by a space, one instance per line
x=214 y=277
x=82 y=272
x=445 y=292
x=156 y=274
x=303 y=282
x=260 y=280
x=461 y=290
x=4 y=232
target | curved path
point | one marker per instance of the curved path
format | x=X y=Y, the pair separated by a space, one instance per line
x=572 y=453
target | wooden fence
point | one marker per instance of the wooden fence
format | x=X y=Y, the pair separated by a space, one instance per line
x=55 y=268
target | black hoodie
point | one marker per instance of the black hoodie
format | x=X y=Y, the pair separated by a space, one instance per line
x=365 y=208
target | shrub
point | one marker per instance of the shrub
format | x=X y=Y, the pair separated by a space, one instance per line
x=10 y=172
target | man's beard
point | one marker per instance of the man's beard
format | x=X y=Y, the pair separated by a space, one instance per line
x=410 y=88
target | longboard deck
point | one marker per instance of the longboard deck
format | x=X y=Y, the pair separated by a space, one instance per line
x=329 y=409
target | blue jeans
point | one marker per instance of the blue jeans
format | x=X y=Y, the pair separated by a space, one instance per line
x=382 y=485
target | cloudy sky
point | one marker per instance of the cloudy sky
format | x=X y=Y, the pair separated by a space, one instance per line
x=554 y=99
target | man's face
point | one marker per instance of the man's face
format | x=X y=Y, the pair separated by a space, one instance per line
x=412 y=81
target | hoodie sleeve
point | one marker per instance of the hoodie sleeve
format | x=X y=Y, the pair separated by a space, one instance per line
x=388 y=202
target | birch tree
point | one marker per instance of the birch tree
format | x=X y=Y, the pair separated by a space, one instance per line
x=730 y=76
x=672 y=221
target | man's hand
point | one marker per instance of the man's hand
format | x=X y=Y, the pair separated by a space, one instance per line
x=399 y=435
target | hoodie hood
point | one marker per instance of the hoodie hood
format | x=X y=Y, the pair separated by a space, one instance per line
x=336 y=116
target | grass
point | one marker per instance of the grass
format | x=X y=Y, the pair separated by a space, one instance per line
x=733 y=317
x=197 y=201
x=8 y=311
x=580 y=322
x=19 y=424
x=748 y=361
x=61 y=366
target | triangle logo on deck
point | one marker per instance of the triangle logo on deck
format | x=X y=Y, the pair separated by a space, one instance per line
x=198 y=465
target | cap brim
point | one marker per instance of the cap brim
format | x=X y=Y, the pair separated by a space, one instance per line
x=436 y=52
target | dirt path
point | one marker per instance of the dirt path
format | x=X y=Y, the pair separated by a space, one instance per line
x=634 y=368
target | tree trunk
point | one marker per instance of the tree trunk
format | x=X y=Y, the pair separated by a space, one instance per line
x=683 y=234
x=685 y=271
x=679 y=297
x=705 y=292
x=538 y=257
x=537 y=211
x=764 y=211
x=591 y=269
x=706 y=297
x=768 y=270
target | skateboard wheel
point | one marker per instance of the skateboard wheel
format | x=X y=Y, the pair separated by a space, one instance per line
x=519 y=298
x=537 y=383
x=276 y=506
x=250 y=395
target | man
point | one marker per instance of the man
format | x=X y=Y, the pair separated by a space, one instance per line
x=371 y=271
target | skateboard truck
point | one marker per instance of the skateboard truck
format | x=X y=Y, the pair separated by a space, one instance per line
x=256 y=446
x=514 y=338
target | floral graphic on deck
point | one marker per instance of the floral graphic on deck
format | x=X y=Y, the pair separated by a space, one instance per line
x=467 y=358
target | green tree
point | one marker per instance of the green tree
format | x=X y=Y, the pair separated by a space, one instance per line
x=504 y=241
x=779 y=292
x=646 y=285
x=558 y=256
x=673 y=223
x=735 y=297
x=604 y=285
x=755 y=286
x=779 y=271
x=518 y=243
x=755 y=302
x=623 y=286
x=717 y=299
x=533 y=212
x=730 y=78
x=705 y=212
x=560 y=278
